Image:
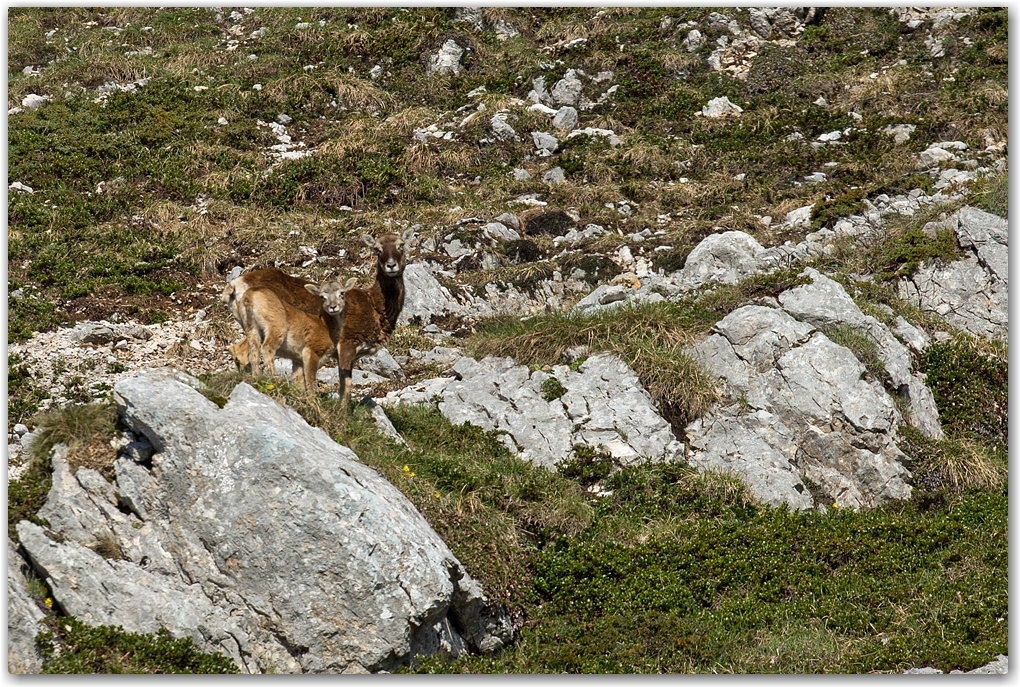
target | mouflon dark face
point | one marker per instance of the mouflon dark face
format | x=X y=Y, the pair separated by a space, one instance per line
x=389 y=250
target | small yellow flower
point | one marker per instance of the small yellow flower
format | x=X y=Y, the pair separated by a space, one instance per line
x=407 y=469
x=411 y=475
x=270 y=387
x=437 y=494
x=835 y=505
x=49 y=602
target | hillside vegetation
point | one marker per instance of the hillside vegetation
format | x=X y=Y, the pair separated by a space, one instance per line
x=179 y=144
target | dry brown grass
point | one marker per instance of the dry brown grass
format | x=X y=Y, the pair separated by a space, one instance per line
x=961 y=464
x=87 y=431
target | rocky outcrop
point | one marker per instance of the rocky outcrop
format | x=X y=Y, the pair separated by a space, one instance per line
x=23 y=618
x=971 y=293
x=257 y=536
x=602 y=404
x=825 y=303
x=424 y=296
x=798 y=423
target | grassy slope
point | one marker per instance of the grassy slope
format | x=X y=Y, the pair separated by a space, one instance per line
x=672 y=571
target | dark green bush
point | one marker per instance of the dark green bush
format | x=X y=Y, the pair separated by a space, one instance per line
x=71 y=646
x=971 y=389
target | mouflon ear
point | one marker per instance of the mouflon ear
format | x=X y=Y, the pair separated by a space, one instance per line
x=313 y=288
x=350 y=283
x=408 y=235
x=368 y=240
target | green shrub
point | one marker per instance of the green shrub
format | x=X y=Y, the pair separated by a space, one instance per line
x=903 y=253
x=970 y=385
x=71 y=646
x=825 y=212
x=27 y=494
x=552 y=389
x=897 y=587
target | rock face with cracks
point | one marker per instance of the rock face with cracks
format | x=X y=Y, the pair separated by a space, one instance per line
x=257 y=536
x=826 y=303
x=602 y=405
x=971 y=293
x=796 y=408
x=23 y=618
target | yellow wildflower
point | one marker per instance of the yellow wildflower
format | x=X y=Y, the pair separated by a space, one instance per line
x=49 y=602
x=437 y=494
x=406 y=469
x=270 y=387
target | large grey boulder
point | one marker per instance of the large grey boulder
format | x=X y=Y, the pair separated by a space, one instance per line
x=99 y=591
x=822 y=421
x=971 y=293
x=265 y=540
x=724 y=258
x=23 y=618
x=424 y=296
x=826 y=303
x=604 y=405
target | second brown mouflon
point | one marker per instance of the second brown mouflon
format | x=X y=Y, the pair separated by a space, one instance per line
x=370 y=315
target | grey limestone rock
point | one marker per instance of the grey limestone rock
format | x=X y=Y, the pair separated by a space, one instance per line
x=23 y=618
x=500 y=232
x=971 y=293
x=470 y=15
x=100 y=591
x=382 y=364
x=509 y=219
x=757 y=447
x=842 y=428
x=502 y=129
x=760 y=22
x=900 y=132
x=447 y=60
x=554 y=176
x=721 y=107
x=105 y=333
x=825 y=303
x=382 y=422
x=545 y=143
x=724 y=258
x=565 y=119
x=604 y=405
x=935 y=156
x=263 y=539
x=567 y=91
x=609 y=296
x=693 y=41
x=424 y=296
